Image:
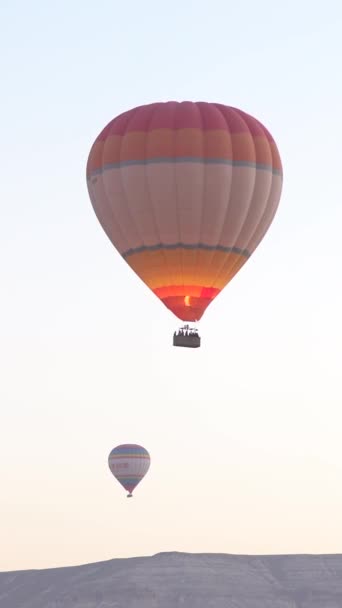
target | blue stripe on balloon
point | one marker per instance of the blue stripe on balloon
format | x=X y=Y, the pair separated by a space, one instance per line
x=185 y=159
x=159 y=246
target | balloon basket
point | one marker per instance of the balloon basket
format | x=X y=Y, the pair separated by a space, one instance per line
x=187 y=337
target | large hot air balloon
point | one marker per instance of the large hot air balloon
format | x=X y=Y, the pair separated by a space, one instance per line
x=129 y=463
x=185 y=192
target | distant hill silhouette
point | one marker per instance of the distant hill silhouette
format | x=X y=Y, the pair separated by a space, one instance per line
x=186 y=580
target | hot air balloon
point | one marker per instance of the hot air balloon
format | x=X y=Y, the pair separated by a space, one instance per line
x=129 y=464
x=185 y=192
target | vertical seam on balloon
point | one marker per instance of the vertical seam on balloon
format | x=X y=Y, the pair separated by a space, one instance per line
x=108 y=199
x=106 y=191
x=125 y=197
x=228 y=197
x=276 y=173
x=255 y=177
x=273 y=181
x=154 y=111
x=214 y=252
x=177 y=194
x=204 y=177
x=266 y=205
x=265 y=211
x=236 y=264
x=261 y=216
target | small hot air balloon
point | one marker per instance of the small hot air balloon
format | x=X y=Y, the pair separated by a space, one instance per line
x=129 y=464
x=185 y=192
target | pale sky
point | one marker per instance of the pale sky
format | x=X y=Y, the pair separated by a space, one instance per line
x=244 y=433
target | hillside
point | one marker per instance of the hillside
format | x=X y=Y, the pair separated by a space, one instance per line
x=171 y=580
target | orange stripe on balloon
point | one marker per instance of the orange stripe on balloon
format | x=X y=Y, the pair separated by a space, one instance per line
x=178 y=267
x=185 y=143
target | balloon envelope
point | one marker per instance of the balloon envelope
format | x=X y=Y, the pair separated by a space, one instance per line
x=185 y=192
x=129 y=463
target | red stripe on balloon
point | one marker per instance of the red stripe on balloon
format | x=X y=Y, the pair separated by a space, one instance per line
x=184 y=115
